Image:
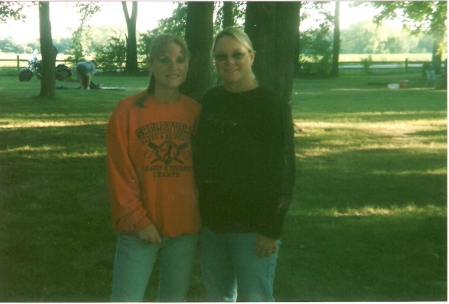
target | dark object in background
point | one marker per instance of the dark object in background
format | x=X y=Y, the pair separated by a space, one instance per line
x=62 y=72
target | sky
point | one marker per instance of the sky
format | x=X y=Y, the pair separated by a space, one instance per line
x=64 y=16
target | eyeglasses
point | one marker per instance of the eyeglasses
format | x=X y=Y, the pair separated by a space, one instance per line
x=236 y=56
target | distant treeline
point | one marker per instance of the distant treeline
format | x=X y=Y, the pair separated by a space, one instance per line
x=359 y=38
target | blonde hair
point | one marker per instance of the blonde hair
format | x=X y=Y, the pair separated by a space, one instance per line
x=238 y=35
x=235 y=33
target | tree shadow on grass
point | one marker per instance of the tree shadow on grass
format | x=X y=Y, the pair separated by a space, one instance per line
x=70 y=139
x=365 y=258
x=58 y=243
x=374 y=178
x=57 y=240
x=367 y=225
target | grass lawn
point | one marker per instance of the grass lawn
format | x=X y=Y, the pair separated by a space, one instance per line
x=368 y=221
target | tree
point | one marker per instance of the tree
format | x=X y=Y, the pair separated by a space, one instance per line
x=198 y=35
x=419 y=17
x=365 y=38
x=315 y=47
x=11 y=10
x=297 y=46
x=113 y=53
x=81 y=35
x=361 y=38
x=78 y=45
x=48 y=51
x=228 y=14
x=336 y=44
x=174 y=25
x=131 y=67
x=272 y=28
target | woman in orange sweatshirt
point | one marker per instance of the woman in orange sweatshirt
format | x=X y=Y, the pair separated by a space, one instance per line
x=150 y=179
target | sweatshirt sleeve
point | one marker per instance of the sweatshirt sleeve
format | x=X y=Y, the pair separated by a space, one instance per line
x=128 y=212
x=283 y=170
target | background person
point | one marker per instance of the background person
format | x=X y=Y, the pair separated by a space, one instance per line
x=245 y=168
x=151 y=182
x=85 y=70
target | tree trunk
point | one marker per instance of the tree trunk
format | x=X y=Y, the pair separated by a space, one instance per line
x=273 y=29
x=297 y=48
x=336 y=44
x=131 y=67
x=260 y=24
x=436 y=57
x=199 y=31
x=228 y=14
x=48 y=52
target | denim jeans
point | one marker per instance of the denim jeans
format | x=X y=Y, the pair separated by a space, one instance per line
x=134 y=261
x=230 y=265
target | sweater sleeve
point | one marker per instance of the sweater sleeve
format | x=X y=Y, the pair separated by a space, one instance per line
x=128 y=212
x=283 y=170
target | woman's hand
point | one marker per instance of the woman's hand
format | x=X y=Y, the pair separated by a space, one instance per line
x=265 y=246
x=150 y=234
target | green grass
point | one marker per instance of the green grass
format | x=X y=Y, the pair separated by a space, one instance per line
x=368 y=221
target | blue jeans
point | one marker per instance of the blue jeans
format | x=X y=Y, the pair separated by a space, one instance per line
x=229 y=263
x=134 y=261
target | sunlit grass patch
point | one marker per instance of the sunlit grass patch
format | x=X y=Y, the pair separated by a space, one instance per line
x=333 y=135
x=93 y=154
x=52 y=152
x=27 y=148
x=366 y=211
x=438 y=171
x=388 y=127
x=8 y=124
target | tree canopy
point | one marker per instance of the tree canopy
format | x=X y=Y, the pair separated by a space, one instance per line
x=314 y=44
x=11 y=10
x=417 y=16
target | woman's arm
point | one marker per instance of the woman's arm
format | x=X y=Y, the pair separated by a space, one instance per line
x=128 y=212
x=281 y=169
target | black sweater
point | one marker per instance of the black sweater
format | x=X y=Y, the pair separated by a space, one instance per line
x=244 y=161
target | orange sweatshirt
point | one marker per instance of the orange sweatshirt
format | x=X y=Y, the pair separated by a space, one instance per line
x=150 y=167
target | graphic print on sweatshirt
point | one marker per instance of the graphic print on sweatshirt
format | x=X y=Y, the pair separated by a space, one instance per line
x=168 y=152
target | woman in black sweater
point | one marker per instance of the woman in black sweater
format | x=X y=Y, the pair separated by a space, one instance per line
x=245 y=170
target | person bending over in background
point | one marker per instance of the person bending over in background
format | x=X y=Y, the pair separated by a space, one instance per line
x=151 y=182
x=245 y=171
x=85 y=70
